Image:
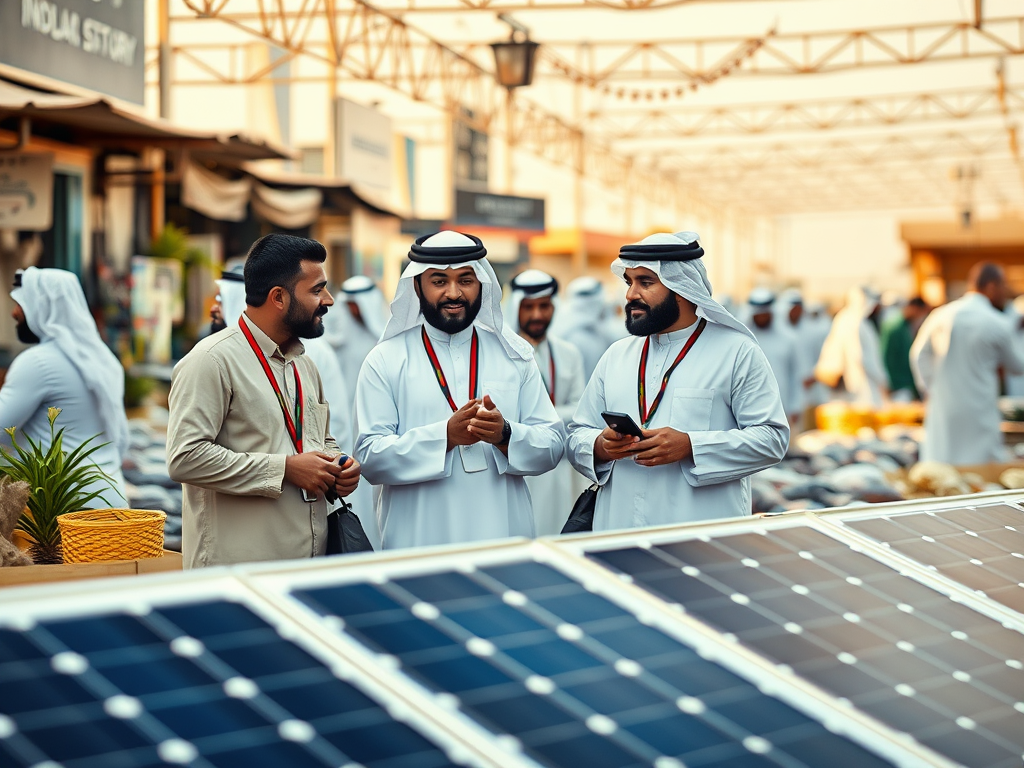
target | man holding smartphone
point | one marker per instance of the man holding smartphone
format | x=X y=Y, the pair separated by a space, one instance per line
x=249 y=436
x=692 y=381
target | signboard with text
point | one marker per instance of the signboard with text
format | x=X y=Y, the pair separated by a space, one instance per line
x=95 y=44
x=26 y=190
x=363 y=145
x=507 y=211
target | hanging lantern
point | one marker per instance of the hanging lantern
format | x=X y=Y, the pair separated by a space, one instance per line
x=514 y=61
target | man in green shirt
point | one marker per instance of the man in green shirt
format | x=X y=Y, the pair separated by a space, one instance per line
x=896 y=338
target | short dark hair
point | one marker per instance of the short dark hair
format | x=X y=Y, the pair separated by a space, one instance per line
x=983 y=274
x=276 y=260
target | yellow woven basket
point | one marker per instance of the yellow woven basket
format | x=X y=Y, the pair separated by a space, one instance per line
x=94 y=535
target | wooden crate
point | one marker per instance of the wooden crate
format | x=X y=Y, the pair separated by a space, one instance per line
x=42 y=574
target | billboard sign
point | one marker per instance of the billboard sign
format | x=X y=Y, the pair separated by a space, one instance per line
x=363 y=145
x=95 y=44
x=26 y=190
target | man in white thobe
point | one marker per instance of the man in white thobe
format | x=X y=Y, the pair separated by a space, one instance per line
x=530 y=311
x=451 y=412
x=956 y=359
x=695 y=381
x=68 y=367
x=582 y=321
x=851 y=354
x=780 y=347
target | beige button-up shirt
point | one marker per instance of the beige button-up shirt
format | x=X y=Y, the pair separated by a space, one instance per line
x=227 y=443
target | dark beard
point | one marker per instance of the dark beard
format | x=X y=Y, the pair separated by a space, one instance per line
x=536 y=335
x=302 y=326
x=25 y=335
x=658 y=318
x=217 y=325
x=432 y=314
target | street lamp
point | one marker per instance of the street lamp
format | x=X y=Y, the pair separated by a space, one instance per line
x=514 y=58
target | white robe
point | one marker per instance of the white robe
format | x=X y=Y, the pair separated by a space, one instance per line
x=955 y=359
x=852 y=350
x=428 y=497
x=722 y=394
x=1015 y=382
x=781 y=348
x=554 y=492
x=352 y=351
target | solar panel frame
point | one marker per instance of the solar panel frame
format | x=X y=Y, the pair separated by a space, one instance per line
x=278 y=582
x=837 y=524
x=24 y=608
x=804 y=520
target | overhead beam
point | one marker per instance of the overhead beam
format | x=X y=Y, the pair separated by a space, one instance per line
x=673 y=121
x=400 y=7
x=368 y=44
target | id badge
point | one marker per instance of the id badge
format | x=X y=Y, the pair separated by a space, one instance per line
x=473 y=458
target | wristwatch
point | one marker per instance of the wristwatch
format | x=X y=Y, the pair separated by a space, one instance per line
x=506 y=433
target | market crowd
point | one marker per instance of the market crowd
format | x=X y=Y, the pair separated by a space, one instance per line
x=454 y=415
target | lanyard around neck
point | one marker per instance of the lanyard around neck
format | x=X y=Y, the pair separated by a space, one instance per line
x=294 y=426
x=442 y=382
x=641 y=386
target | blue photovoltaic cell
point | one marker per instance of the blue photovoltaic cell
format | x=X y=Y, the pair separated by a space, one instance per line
x=981 y=547
x=577 y=680
x=209 y=685
x=898 y=650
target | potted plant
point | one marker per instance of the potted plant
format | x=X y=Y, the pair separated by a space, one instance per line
x=59 y=482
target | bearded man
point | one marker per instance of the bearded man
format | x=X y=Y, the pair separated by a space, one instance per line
x=249 y=436
x=694 y=380
x=451 y=410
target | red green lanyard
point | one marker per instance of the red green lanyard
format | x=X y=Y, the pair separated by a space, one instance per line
x=551 y=357
x=294 y=426
x=641 y=387
x=441 y=381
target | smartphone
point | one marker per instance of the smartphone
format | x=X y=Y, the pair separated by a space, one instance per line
x=622 y=423
x=330 y=495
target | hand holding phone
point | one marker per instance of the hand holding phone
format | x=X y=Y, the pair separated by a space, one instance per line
x=622 y=423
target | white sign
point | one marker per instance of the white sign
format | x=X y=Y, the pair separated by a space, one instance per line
x=26 y=190
x=362 y=145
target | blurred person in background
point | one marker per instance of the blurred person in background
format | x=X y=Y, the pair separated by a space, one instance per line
x=357 y=326
x=249 y=431
x=69 y=367
x=898 y=332
x=694 y=380
x=850 y=356
x=808 y=344
x=582 y=321
x=531 y=308
x=451 y=411
x=956 y=359
x=780 y=347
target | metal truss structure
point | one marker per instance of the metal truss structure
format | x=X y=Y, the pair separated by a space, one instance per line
x=618 y=111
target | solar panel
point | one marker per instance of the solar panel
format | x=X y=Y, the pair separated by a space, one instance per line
x=209 y=684
x=980 y=547
x=890 y=646
x=567 y=676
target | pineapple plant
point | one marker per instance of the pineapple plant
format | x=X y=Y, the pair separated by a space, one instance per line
x=59 y=483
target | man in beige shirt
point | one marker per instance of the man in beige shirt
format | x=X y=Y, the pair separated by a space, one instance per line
x=248 y=435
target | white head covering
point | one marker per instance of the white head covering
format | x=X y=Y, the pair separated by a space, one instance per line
x=761 y=299
x=532 y=284
x=686 y=278
x=405 y=309
x=55 y=310
x=361 y=290
x=232 y=295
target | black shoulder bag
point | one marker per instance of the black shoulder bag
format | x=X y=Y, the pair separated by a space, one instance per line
x=345 y=534
x=582 y=516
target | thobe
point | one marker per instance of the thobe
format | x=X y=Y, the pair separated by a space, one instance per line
x=352 y=349
x=553 y=492
x=956 y=359
x=428 y=496
x=1014 y=382
x=852 y=351
x=43 y=377
x=780 y=347
x=336 y=392
x=722 y=394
